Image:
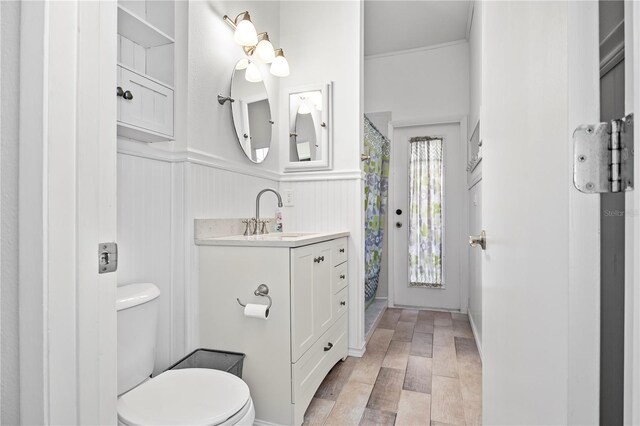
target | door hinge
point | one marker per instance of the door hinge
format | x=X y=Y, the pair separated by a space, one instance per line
x=603 y=156
x=107 y=257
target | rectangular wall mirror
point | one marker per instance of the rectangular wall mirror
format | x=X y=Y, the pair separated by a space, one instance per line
x=309 y=129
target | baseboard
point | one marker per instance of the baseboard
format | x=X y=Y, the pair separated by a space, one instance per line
x=375 y=324
x=475 y=334
x=358 y=353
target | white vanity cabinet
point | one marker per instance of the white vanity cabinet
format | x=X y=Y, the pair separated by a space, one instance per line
x=290 y=353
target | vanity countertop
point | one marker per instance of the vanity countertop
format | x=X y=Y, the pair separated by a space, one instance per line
x=284 y=239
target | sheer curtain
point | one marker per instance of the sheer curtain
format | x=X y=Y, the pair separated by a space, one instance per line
x=425 y=212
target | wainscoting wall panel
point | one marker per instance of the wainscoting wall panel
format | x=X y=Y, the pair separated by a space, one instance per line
x=144 y=237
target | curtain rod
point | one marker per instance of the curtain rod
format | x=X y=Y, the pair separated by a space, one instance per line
x=424 y=138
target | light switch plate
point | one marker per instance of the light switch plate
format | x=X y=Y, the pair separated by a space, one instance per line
x=288 y=196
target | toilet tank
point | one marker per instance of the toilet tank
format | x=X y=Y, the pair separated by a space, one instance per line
x=137 y=306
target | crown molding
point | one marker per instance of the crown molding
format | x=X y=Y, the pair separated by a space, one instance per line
x=416 y=50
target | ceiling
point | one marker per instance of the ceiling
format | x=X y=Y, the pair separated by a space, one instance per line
x=390 y=26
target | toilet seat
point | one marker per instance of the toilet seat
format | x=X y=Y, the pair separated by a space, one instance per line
x=191 y=396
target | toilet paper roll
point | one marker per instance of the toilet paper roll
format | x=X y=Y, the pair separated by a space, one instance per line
x=256 y=311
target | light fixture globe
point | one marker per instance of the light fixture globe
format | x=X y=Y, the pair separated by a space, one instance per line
x=264 y=50
x=280 y=65
x=304 y=108
x=245 y=34
x=252 y=73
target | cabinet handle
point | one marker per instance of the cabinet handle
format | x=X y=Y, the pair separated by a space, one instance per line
x=342 y=276
x=127 y=95
x=343 y=303
x=341 y=250
x=328 y=347
x=119 y=91
x=318 y=259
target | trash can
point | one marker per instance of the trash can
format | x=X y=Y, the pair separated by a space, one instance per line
x=231 y=362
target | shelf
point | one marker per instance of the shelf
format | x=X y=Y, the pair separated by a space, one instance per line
x=140 y=31
x=139 y=134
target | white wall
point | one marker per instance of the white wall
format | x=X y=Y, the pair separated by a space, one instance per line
x=212 y=57
x=475 y=67
x=422 y=86
x=9 y=98
x=475 y=193
x=322 y=41
x=428 y=83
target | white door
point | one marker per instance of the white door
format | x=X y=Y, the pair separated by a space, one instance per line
x=453 y=250
x=67 y=207
x=541 y=266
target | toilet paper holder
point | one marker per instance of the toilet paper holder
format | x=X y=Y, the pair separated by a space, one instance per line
x=262 y=291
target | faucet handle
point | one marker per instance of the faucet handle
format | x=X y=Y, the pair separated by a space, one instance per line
x=263 y=226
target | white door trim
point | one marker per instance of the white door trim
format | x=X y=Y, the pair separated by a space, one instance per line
x=67 y=205
x=632 y=223
x=394 y=125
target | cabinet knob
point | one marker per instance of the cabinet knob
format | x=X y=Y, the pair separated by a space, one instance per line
x=343 y=303
x=341 y=250
x=343 y=276
x=119 y=91
x=328 y=347
x=127 y=95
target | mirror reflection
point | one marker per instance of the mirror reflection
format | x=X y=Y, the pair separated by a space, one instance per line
x=305 y=136
x=251 y=111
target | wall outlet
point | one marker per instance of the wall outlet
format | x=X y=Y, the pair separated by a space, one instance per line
x=288 y=197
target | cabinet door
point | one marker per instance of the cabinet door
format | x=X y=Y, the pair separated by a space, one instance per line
x=302 y=327
x=151 y=106
x=311 y=296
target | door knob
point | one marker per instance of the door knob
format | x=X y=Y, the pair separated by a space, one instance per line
x=398 y=224
x=478 y=240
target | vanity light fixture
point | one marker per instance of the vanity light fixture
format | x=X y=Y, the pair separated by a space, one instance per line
x=252 y=73
x=264 y=50
x=280 y=65
x=257 y=46
x=245 y=33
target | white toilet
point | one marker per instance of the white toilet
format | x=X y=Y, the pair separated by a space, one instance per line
x=190 y=396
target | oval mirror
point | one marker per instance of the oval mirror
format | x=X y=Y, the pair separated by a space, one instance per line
x=251 y=111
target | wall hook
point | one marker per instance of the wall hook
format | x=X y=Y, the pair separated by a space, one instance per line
x=223 y=99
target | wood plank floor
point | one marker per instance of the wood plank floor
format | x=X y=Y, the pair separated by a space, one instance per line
x=420 y=368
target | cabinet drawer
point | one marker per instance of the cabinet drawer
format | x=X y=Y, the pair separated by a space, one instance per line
x=340 y=278
x=151 y=107
x=340 y=302
x=339 y=254
x=311 y=369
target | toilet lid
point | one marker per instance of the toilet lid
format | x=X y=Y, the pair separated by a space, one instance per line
x=190 y=396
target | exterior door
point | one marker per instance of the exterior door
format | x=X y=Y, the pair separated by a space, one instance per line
x=407 y=291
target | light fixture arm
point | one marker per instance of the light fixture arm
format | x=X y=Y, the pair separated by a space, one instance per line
x=233 y=23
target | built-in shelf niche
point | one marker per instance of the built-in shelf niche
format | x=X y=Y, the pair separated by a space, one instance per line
x=146 y=47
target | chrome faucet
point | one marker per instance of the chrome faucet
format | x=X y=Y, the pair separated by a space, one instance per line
x=256 y=230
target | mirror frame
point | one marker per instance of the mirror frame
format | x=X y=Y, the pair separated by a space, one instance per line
x=326 y=161
x=235 y=125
